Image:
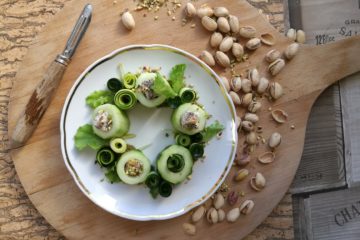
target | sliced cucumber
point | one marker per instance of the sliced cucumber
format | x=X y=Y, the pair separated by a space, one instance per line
x=109 y=121
x=195 y=112
x=164 y=163
x=144 y=93
x=133 y=167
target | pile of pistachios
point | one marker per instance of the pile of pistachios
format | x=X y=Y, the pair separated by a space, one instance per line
x=245 y=91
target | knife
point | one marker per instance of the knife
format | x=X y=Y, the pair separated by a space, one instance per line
x=42 y=95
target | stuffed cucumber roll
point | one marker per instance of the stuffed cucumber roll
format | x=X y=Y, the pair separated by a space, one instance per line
x=189 y=118
x=144 y=92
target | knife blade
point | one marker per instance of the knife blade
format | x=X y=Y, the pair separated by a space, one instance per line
x=42 y=95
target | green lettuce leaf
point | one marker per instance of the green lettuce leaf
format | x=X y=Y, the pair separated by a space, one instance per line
x=100 y=97
x=86 y=137
x=112 y=175
x=176 y=78
x=162 y=87
x=212 y=130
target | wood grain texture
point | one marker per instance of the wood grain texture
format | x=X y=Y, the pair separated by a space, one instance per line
x=20 y=22
x=37 y=105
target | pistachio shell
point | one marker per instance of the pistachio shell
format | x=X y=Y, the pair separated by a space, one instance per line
x=237 y=122
x=268 y=39
x=190 y=10
x=272 y=55
x=219 y=201
x=300 y=36
x=251 y=138
x=205 y=11
x=241 y=175
x=253 y=44
x=254 y=77
x=274 y=140
x=263 y=85
x=246 y=99
x=189 y=229
x=198 y=214
x=246 y=85
x=209 y=23
x=276 y=90
x=207 y=58
x=251 y=117
x=280 y=116
x=212 y=216
x=226 y=44
x=247 y=126
x=276 y=66
x=254 y=106
x=233 y=215
x=223 y=25
x=258 y=182
x=222 y=59
x=247 y=32
x=221 y=12
x=235 y=98
x=291 y=33
x=216 y=39
x=243 y=160
x=267 y=157
x=237 y=50
x=235 y=83
x=234 y=24
x=226 y=83
x=221 y=215
x=291 y=50
x=128 y=20
x=247 y=206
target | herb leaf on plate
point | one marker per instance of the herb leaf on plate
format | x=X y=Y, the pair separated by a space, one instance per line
x=86 y=137
x=176 y=78
x=211 y=131
x=162 y=87
x=99 y=97
x=112 y=175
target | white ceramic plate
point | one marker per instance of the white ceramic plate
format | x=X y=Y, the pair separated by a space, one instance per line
x=151 y=127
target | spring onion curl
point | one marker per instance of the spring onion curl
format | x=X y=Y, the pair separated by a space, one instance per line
x=197 y=138
x=183 y=140
x=187 y=95
x=125 y=99
x=105 y=157
x=114 y=84
x=129 y=80
x=118 y=145
x=173 y=102
x=165 y=189
x=175 y=163
x=197 y=150
x=153 y=180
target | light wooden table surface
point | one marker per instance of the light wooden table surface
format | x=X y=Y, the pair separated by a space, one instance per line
x=20 y=22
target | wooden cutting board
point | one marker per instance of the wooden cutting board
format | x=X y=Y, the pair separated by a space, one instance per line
x=39 y=163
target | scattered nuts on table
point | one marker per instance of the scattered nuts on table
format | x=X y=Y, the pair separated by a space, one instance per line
x=251 y=117
x=247 y=207
x=247 y=32
x=243 y=160
x=254 y=77
x=235 y=98
x=237 y=122
x=221 y=215
x=280 y=116
x=235 y=84
x=263 y=85
x=300 y=36
x=223 y=25
x=221 y=12
x=219 y=201
x=246 y=85
x=251 y=138
x=226 y=83
x=241 y=174
x=209 y=23
x=246 y=99
x=268 y=39
x=253 y=44
x=234 y=24
x=274 y=140
x=266 y=158
x=190 y=10
x=226 y=44
x=216 y=39
x=291 y=50
x=272 y=55
x=276 y=66
x=247 y=126
x=237 y=50
x=198 y=214
x=232 y=198
x=207 y=58
x=291 y=33
x=189 y=229
x=258 y=182
x=212 y=216
x=276 y=90
x=254 y=106
x=205 y=11
x=233 y=215
x=128 y=20
x=222 y=59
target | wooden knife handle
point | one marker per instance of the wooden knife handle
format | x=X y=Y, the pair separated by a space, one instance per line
x=37 y=104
